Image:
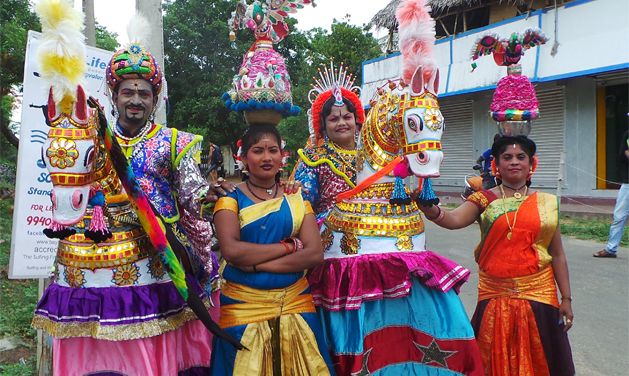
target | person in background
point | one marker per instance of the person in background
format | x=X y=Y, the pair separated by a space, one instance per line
x=215 y=163
x=483 y=163
x=520 y=323
x=621 y=210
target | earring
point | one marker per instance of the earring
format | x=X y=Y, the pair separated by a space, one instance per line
x=494 y=169
x=152 y=115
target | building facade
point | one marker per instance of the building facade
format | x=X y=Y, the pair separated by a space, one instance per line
x=581 y=76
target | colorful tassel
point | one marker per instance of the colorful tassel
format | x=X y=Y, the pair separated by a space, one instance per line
x=399 y=196
x=98 y=230
x=58 y=231
x=427 y=196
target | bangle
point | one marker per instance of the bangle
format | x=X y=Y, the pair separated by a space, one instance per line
x=286 y=248
x=440 y=217
x=299 y=245
x=436 y=216
x=254 y=269
x=568 y=298
x=296 y=244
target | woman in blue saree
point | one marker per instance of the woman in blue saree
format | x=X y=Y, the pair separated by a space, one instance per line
x=269 y=239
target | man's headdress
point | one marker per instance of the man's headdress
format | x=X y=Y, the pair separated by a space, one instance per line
x=134 y=61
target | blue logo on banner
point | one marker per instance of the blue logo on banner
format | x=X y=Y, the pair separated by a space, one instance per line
x=38 y=137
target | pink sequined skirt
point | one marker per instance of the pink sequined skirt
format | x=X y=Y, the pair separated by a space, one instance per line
x=344 y=283
x=186 y=350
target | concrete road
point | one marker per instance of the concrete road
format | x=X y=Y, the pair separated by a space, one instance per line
x=600 y=289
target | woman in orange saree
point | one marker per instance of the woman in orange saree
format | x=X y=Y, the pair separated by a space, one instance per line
x=520 y=323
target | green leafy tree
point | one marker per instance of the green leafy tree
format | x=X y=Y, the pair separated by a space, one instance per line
x=200 y=64
x=16 y=18
x=345 y=43
x=106 y=39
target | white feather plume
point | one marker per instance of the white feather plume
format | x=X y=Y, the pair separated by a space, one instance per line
x=138 y=30
x=61 y=52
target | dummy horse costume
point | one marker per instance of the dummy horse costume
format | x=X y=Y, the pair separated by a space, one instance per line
x=379 y=288
x=113 y=249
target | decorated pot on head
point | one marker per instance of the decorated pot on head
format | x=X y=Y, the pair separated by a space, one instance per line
x=514 y=104
x=261 y=89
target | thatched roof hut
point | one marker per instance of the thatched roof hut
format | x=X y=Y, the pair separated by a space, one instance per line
x=454 y=16
x=385 y=18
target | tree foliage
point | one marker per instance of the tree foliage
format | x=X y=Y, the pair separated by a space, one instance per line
x=16 y=18
x=200 y=64
x=106 y=39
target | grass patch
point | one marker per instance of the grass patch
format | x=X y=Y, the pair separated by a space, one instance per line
x=590 y=229
x=25 y=367
x=18 y=299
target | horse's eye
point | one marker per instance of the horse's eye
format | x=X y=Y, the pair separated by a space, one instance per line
x=89 y=157
x=422 y=157
x=415 y=123
x=412 y=124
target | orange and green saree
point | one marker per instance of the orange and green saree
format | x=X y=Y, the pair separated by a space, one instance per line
x=517 y=321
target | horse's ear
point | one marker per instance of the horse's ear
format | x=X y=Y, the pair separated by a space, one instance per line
x=52 y=108
x=80 y=106
x=417 y=82
x=433 y=84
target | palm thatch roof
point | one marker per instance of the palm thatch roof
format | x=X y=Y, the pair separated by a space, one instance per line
x=385 y=18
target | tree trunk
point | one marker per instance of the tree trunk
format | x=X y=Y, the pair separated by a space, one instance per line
x=7 y=133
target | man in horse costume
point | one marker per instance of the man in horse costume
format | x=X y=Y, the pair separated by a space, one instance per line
x=120 y=301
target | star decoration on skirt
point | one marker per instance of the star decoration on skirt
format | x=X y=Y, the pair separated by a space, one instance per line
x=364 y=370
x=433 y=353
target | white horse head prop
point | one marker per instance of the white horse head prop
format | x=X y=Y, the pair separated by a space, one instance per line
x=423 y=125
x=69 y=154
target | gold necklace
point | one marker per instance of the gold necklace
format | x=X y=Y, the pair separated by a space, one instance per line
x=515 y=217
x=516 y=191
x=346 y=157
